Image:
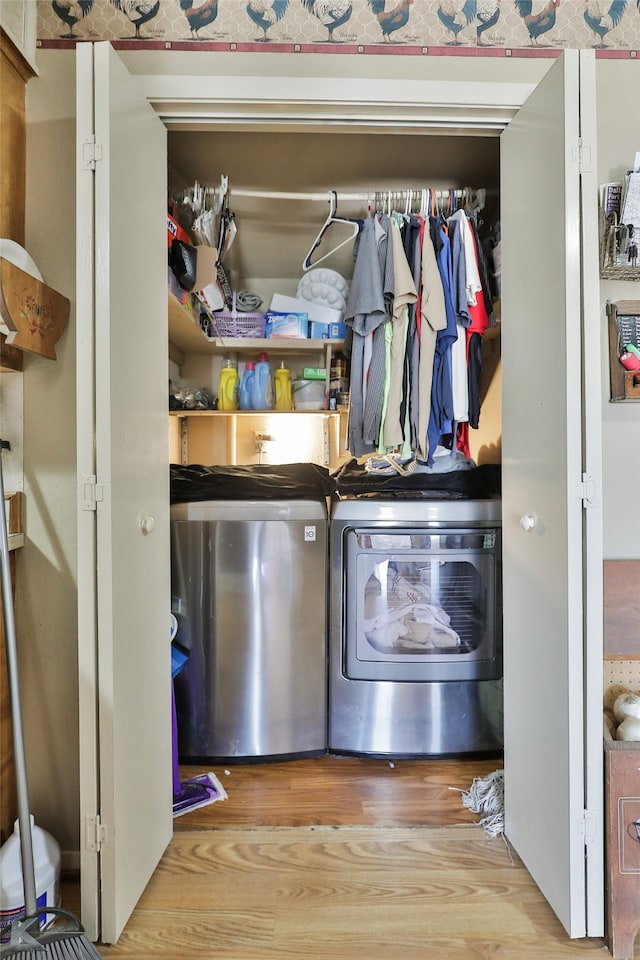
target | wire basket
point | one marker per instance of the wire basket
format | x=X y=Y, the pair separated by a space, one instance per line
x=236 y=324
x=612 y=264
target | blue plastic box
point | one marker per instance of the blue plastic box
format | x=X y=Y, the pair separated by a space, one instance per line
x=327 y=331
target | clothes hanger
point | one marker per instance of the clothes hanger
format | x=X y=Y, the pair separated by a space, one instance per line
x=224 y=211
x=332 y=218
x=408 y=197
x=228 y=227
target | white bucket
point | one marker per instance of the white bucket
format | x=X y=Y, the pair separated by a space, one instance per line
x=46 y=861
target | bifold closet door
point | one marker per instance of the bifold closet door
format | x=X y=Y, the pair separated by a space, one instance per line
x=124 y=562
x=548 y=819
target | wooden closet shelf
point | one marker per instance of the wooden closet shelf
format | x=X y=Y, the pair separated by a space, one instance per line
x=257 y=413
x=185 y=334
x=34 y=314
x=273 y=344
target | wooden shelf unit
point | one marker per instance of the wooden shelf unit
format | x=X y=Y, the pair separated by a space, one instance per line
x=35 y=314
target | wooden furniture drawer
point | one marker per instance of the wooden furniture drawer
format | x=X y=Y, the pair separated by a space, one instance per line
x=622 y=799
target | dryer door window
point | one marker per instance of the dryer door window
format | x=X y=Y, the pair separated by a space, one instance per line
x=423 y=605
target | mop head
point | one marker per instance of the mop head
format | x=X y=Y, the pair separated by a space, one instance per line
x=197 y=792
x=486 y=797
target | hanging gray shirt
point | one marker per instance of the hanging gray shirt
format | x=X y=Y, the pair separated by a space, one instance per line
x=375 y=374
x=365 y=311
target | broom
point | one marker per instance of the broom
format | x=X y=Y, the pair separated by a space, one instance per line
x=65 y=939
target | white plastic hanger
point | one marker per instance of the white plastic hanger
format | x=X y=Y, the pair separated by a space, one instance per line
x=332 y=218
x=227 y=228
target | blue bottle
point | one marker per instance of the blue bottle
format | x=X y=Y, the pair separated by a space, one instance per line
x=262 y=388
x=246 y=386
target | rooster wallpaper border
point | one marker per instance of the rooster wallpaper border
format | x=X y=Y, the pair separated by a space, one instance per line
x=539 y=28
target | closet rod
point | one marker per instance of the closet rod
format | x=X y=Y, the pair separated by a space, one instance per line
x=364 y=197
x=278 y=195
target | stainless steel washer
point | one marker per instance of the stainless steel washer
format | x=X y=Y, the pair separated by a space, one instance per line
x=415 y=627
x=249 y=582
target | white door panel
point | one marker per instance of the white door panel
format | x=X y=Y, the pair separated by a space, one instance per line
x=542 y=457
x=131 y=449
x=592 y=515
x=86 y=468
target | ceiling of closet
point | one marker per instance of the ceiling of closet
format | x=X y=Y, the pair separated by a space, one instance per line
x=274 y=235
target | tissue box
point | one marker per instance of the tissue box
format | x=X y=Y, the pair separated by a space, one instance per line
x=315 y=311
x=327 y=331
x=281 y=325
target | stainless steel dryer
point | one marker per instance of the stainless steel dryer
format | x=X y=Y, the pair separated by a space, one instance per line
x=415 y=627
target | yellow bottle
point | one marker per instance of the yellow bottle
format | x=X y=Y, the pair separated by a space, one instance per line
x=228 y=386
x=284 y=399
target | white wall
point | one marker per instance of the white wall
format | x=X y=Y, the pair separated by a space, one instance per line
x=46 y=602
x=618 y=85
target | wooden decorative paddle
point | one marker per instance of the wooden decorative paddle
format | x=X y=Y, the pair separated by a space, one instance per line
x=34 y=314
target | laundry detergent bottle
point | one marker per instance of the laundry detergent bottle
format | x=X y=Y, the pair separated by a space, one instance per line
x=246 y=386
x=284 y=399
x=228 y=386
x=262 y=390
x=46 y=863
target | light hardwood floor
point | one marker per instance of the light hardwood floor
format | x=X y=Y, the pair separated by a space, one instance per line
x=343 y=859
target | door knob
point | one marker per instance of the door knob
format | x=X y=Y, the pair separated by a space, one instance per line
x=528 y=522
x=146 y=525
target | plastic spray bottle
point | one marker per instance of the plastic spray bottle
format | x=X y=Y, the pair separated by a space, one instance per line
x=262 y=390
x=228 y=386
x=283 y=388
x=246 y=386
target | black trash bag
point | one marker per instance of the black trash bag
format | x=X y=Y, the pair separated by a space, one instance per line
x=478 y=483
x=287 y=481
x=182 y=260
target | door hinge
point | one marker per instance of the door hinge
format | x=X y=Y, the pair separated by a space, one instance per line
x=96 y=834
x=587 y=827
x=582 y=156
x=91 y=152
x=92 y=493
x=587 y=491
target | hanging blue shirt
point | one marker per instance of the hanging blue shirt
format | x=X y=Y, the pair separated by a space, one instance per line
x=441 y=416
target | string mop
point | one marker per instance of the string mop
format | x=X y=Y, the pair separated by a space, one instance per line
x=486 y=797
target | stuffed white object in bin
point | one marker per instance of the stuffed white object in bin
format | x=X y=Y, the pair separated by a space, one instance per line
x=626 y=709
